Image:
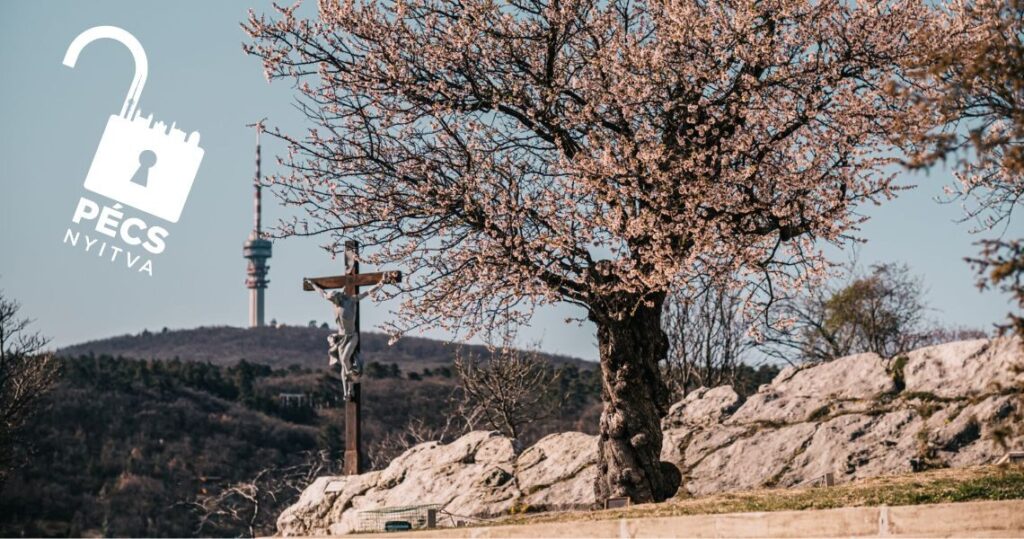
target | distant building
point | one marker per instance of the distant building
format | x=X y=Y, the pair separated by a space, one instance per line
x=294 y=399
x=257 y=250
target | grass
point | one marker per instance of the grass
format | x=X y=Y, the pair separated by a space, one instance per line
x=1005 y=482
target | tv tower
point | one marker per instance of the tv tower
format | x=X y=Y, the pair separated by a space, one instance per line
x=256 y=249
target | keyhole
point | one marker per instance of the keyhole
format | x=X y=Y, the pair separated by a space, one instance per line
x=147 y=158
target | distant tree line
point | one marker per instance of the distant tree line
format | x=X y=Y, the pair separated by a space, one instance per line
x=714 y=340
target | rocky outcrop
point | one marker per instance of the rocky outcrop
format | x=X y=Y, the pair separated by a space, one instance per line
x=702 y=407
x=957 y=404
x=797 y=394
x=965 y=368
x=478 y=475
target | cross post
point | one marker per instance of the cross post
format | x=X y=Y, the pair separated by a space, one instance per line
x=350 y=282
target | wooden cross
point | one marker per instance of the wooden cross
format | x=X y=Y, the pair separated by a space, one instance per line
x=351 y=281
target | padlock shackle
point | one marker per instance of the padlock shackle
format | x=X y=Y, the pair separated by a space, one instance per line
x=131 y=101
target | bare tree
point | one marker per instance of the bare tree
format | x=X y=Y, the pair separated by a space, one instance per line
x=805 y=335
x=508 y=391
x=254 y=504
x=27 y=372
x=415 y=432
x=881 y=312
x=709 y=336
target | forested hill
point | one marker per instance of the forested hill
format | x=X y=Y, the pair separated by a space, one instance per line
x=212 y=431
x=129 y=448
x=170 y=448
x=276 y=347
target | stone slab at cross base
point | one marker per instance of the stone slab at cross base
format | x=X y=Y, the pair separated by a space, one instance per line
x=967 y=519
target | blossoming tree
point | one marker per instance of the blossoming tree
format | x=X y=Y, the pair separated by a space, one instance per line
x=521 y=152
x=978 y=66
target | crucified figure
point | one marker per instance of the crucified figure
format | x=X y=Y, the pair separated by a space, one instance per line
x=343 y=343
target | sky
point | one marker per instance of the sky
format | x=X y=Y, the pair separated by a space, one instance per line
x=53 y=118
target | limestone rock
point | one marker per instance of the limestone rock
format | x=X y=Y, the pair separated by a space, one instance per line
x=752 y=461
x=477 y=475
x=323 y=504
x=448 y=475
x=558 y=472
x=797 y=394
x=470 y=476
x=965 y=368
x=674 y=444
x=960 y=404
x=969 y=434
x=854 y=446
x=702 y=406
x=496 y=449
x=686 y=448
x=306 y=516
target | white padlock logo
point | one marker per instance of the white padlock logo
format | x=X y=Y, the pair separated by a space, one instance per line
x=150 y=167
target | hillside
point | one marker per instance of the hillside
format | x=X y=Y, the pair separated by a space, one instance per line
x=124 y=448
x=277 y=347
x=167 y=434
x=149 y=448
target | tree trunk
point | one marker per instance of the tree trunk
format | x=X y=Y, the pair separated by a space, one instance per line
x=635 y=400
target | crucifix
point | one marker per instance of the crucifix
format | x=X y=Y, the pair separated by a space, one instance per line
x=344 y=345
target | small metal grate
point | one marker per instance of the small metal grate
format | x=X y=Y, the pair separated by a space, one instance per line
x=410 y=517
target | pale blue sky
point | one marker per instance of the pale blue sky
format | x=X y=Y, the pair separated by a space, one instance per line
x=53 y=117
